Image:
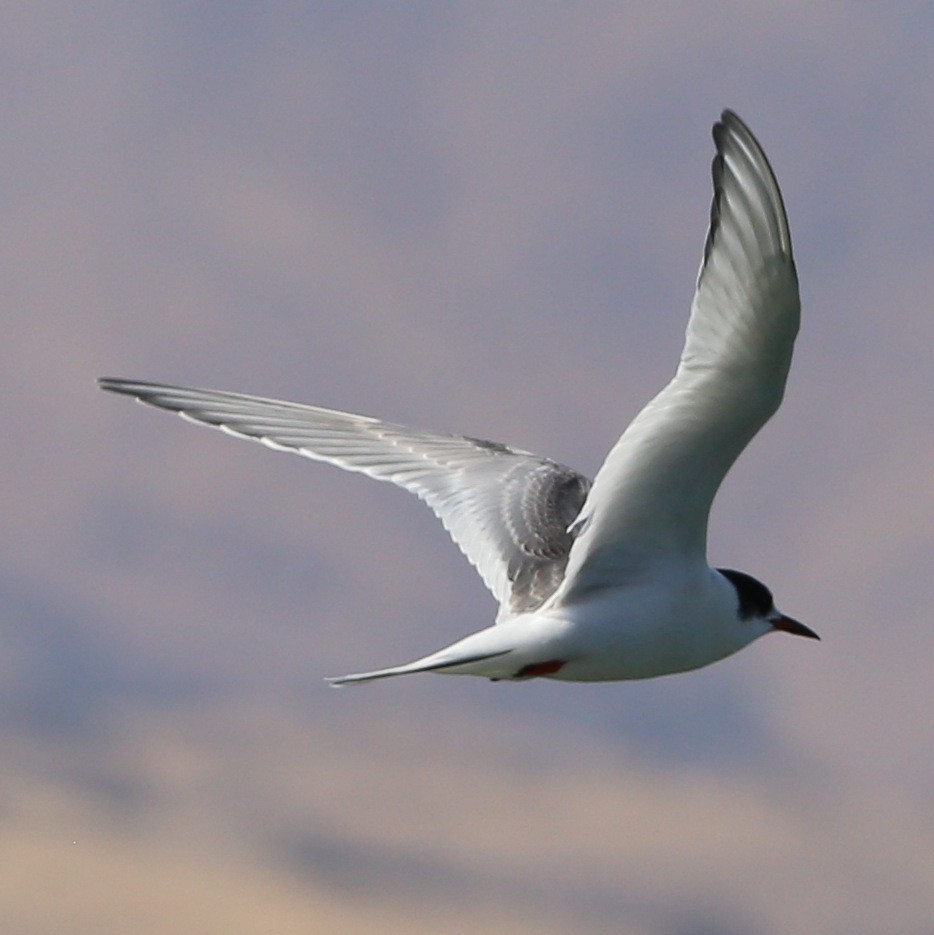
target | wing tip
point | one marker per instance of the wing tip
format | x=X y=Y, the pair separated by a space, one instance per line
x=731 y=127
x=113 y=384
x=137 y=388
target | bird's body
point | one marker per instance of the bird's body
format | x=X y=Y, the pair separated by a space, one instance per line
x=609 y=580
x=677 y=622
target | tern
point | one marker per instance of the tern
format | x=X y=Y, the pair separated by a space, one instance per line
x=608 y=580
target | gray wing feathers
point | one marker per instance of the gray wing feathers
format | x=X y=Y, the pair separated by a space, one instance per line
x=746 y=309
x=651 y=498
x=540 y=508
x=508 y=510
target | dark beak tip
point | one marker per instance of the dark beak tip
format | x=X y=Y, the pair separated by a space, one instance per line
x=788 y=625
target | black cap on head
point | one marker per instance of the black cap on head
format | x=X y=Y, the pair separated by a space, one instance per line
x=755 y=599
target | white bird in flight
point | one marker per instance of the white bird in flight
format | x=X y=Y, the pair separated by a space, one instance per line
x=607 y=580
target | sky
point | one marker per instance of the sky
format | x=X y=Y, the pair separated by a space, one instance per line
x=485 y=219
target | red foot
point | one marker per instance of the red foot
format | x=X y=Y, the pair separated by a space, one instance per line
x=536 y=669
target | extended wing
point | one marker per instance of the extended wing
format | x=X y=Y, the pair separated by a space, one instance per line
x=508 y=510
x=651 y=498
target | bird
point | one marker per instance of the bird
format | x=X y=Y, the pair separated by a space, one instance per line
x=605 y=580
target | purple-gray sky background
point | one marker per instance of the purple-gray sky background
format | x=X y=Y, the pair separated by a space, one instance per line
x=476 y=218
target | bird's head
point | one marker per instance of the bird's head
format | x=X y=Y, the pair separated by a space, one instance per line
x=757 y=605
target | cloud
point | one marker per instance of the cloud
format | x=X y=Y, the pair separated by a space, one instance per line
x=442 y=815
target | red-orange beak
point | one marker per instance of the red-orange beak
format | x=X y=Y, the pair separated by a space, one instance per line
x=788 y=625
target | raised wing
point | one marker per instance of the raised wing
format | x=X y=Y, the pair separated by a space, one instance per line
x=652 y=496
x=508 y=510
